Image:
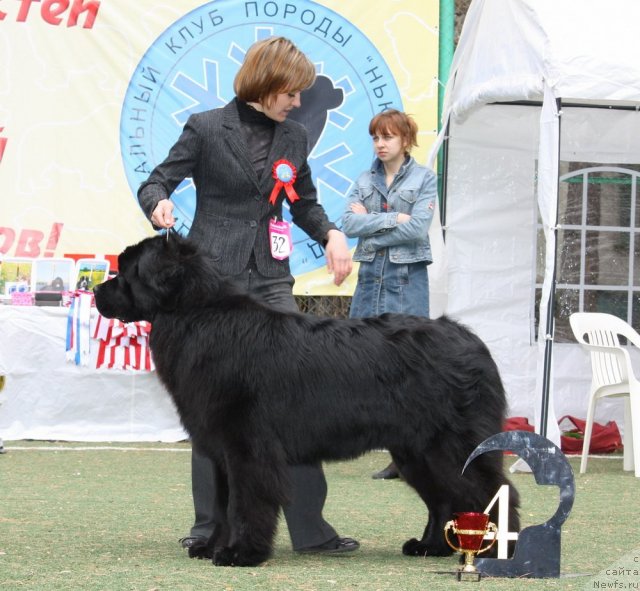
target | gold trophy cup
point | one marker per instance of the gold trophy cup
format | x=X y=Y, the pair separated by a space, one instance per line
x=470 y=528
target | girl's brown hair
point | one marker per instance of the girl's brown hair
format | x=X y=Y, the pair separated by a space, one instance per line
x=393 y=122
x=272 y=66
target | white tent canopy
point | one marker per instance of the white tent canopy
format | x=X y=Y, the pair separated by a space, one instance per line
x=541 y=95
x=582 y=49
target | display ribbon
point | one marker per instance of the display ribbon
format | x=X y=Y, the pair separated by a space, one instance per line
x=121 y=345
x=78 y=327
x=284 y=174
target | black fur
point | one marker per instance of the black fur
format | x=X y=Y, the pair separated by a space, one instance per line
x=258 y=389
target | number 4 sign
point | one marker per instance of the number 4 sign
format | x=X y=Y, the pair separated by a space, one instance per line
x=537 y=550
x=504 y=536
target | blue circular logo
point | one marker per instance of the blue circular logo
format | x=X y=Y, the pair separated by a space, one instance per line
x=190 y=68
x=284 y=172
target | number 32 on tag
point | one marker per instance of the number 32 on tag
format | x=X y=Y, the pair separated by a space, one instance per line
x=280 y=239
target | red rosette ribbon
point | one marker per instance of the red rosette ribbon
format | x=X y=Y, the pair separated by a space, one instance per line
x=284 y=174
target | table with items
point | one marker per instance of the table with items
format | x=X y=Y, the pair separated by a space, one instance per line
x=70 y=374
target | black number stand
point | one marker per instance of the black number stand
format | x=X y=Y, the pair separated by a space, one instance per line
x=537 y=550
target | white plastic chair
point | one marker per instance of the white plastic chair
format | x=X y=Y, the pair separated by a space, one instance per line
x=612 y=375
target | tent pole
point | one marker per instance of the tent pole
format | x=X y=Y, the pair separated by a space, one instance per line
x=550 y=325
x=446 y=28
x=443 y=173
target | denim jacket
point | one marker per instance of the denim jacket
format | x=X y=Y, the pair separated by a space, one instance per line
x=413 y=191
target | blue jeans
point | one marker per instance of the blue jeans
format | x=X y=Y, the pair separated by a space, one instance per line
x=384 y=286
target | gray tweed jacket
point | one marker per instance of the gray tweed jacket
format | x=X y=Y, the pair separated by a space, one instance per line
x=232 y=204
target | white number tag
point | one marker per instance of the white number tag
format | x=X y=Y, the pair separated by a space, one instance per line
x=280 y=239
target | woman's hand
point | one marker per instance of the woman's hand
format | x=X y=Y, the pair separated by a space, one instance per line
x=338 y=256
x=162 y=215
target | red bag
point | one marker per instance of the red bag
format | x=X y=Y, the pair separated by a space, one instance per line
x=605 y=439
x=517 y=424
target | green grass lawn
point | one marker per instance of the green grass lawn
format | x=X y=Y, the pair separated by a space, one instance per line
x=109 y=519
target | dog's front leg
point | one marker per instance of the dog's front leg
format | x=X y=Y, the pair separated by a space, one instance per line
x=255 y=493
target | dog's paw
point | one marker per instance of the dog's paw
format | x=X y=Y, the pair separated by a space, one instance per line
x=225 y=557
x=200 y=551
x=415 y=547
x=230 y=556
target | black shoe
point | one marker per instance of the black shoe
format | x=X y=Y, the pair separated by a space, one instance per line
x=193 y=541
x=388 y=473
x=197 y=547
x=336 y=545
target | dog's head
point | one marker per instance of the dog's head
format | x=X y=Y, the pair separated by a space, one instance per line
x=152 y=276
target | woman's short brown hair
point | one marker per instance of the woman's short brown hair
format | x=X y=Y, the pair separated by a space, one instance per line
x=395 y=122
x=273 y=66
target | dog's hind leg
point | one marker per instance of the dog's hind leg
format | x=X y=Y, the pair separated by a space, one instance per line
x=445 y=490
x=436 y=495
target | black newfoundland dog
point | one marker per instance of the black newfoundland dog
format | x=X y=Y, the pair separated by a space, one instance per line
x=258 y=389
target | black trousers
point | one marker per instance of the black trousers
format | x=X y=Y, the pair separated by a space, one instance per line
x=304 y=518
x=303 y=515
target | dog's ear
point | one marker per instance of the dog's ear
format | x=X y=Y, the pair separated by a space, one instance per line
x=199 y=275
x=179 y=247
x=159 y=268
